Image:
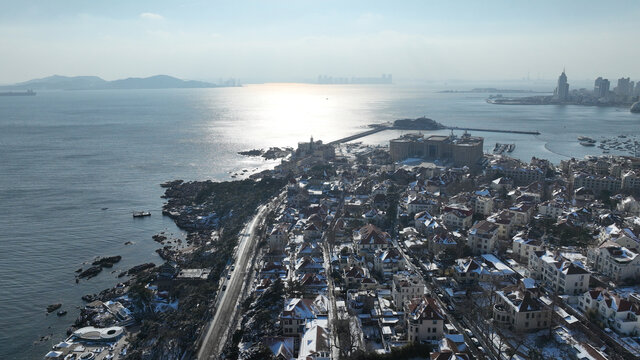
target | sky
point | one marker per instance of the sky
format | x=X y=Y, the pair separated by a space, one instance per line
x=297 y=40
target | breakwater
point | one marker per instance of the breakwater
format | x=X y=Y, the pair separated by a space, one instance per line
x=382 y=128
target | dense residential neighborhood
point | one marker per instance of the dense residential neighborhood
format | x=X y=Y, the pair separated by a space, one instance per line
x=360 y=256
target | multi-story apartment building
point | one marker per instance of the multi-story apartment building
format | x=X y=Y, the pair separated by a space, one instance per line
x=559 y=273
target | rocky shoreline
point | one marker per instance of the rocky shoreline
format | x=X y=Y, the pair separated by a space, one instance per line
x=212 y=213
x=272 y=153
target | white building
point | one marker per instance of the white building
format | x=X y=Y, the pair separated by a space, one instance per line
x=615 y=261
x=621 y=315
x=559 y=273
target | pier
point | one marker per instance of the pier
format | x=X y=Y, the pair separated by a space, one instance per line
x=360 y=135
x=495 y=130
x=382 y=128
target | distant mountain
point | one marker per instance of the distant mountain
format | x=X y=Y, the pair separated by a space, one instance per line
x=157 y=82
x=57 y=82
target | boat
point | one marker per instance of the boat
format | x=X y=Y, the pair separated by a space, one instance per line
x=18 y=93
x=141 y=214
x=586 y=143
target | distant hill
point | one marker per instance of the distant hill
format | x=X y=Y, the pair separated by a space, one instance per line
x=57 y=82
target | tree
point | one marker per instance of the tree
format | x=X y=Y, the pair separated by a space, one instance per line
x=347 y=342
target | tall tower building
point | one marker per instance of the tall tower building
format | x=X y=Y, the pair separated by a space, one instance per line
x=562 y=90
x=601 y=88
x=623 y=87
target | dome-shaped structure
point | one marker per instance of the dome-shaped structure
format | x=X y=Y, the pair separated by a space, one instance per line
x=635 y=108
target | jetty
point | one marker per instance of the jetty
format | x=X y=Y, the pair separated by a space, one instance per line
x=360 y=135
x=421 y=124
x=495 y=130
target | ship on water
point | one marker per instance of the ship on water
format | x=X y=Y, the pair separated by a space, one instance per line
x=18 y=93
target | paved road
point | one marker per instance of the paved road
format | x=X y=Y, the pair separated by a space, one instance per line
x=218 y=329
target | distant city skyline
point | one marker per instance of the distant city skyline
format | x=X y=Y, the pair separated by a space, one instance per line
x=295 y=41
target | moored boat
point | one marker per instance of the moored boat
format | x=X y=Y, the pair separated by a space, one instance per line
x=141 y=214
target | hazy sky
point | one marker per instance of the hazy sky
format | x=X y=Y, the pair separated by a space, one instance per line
x=293 y=40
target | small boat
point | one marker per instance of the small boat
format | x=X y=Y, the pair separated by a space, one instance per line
x=586 y=143
x=61 y=313
x=104 y=209
x=141 y=214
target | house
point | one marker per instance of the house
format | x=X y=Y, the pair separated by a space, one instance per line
x=522 y=213
x=483 y=205
x=621 y=236
x=483 y=237
x=406 y=286
x=620 y=314
x=559 y=273
x=419 y=202
x=486 y=267
x=315 y=344
x=281 y=346
x=552 y=208
x=388 y=262
x=456 y=216
x=615 y=261
x=506 y=224
x=439 y=243
x=629 y=205
x=424 y=320
x=370 y=238
x=449 y=355
x=523 y=246
x=278 y=238
x=354 y=275
x=308 y=264
x=520 y=310
x=295 y=315
x=502 y=183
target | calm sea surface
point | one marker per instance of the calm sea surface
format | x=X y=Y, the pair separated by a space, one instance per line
x=64 y=156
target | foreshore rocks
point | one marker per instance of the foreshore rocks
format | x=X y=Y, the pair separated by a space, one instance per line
x=254 y=152
x=138 y=268
x=107 y=261
x=53 y=307
x=159 y=238
x=271 y=154
x=97 y=266
x=90 y=272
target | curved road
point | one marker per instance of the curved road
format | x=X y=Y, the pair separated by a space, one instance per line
x=215 y=338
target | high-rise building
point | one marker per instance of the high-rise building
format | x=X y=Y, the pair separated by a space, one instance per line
x=562 y=91
x=601 y=87
x=623 y=87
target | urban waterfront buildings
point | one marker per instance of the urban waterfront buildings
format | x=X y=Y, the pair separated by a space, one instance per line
x=465 y=150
